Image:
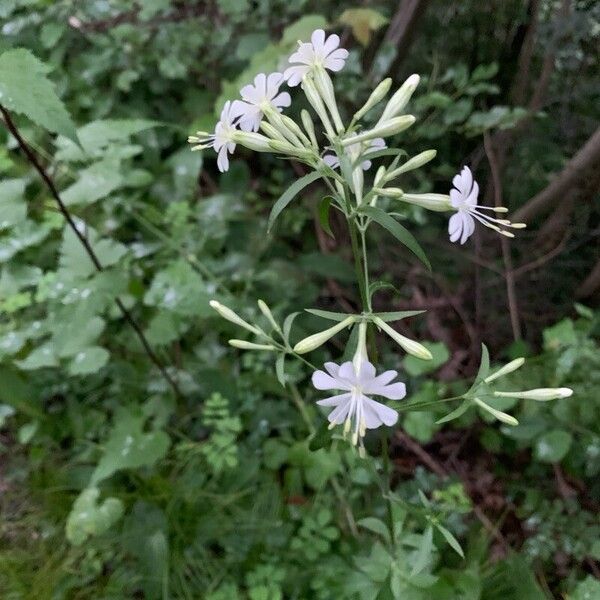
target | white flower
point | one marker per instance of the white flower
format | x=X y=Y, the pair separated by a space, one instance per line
x=222 y=139
x=463 y=199
x=353 y=407
x=259 y=97
x=321 y=51
x=333 y=161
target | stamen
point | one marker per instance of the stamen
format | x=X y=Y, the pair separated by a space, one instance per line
x=347 y=426
x=331 y=425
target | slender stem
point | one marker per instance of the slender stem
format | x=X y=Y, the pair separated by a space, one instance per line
x=387 y=484
x=365 y=260
x=358 y=265
x=10 y=125
x=299 y=402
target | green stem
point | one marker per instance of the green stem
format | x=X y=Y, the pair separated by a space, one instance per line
x=361 y=275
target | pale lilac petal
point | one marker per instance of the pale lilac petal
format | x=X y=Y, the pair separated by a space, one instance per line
x=281 y=100
x=455 y=227
x=339 y=413
x=251 y=121
x=347 y=372
x=323 y=381
x=383 y=379
x=274 y=80
x=456 y=198
x=304 y=55
x=471 y=199
x=334 y=64
x=331 y=160
x=250 y=94
x=395 y=391
x=223 y=160
x=366 y=372
x=334 y=400
x=331 y=43
x=318 y=39
x=468 y=227
x=294 y=75
x=332 y=368
x=260 y=83
x=376 y=413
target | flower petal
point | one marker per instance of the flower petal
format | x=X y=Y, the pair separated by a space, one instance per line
x=334 y=400
x=395 y=391
x=366 y=372
x=318 y=39
x=281 y=100
x=294 y=75
x=468 y=227
x=323 y=381
x=339 y=413
x=332 y=368
x=331 y=43
x=376 y=413
x=347 y=372
x=455 y=226
x=383 y=379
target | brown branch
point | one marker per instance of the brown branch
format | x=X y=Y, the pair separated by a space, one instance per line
x=519 y=88
x=586 y=159
x=590 y=284
x=32 y=158
x=511 y=292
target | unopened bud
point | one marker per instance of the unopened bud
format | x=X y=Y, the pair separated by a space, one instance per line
x=387 y=129
x=295 y=129
x=414 y=163
x=312 y=95
x=497 y=414
x=436 y=202
x=265 y=310
x=309 y=126
x=377 y=96
x=244 y=345
x=324 y=86
x=253 y=141
x=312 y=342
x=287 y=148
x=540 y=394
x=228 y=314
x=271 y=131
x=400 y=99
x=513 y=365
x=410 y=346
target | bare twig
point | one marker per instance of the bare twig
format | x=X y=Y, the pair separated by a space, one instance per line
x=32 y=158
x=506 y=255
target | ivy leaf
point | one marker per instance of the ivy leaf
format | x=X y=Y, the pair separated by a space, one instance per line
x=129 y=447
x=25 y=89
x=289 y=195
x=88 y=517
x=398 y=231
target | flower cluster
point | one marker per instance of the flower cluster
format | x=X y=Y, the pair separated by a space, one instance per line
x=341 y=155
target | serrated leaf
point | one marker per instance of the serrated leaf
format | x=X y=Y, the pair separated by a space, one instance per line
x=89 y=518
x=25 y=89
x=289 y=195
x=129 y=447
x=323 y=212
x=398 y=231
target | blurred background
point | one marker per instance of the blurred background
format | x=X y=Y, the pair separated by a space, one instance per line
x=224 y=498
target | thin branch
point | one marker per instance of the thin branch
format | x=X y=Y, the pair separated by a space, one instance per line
x=506 y=255
x=10 y=125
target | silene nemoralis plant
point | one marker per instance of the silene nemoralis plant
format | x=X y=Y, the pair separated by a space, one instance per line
x=341 y=155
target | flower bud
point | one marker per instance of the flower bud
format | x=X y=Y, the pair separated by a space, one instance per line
x=287 y=148
x=387 y=129
x=265 y=310
x=317 y=103
x=324 y=86
x=400 y=99
x=498 y=414
x=295 y=129
x=410 y=346
x=312 y=342
x=253 y=141
x=513 y=365
x=360 y=356
x=379 y=176
x=540 y=394
x=376 y=96
x=436 y=202
x=414 y=163
x=244 y=345
x=309 y=126
x=271 y=131
x=228 y=314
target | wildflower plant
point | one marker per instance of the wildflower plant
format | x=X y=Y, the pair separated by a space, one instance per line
x=341 y=154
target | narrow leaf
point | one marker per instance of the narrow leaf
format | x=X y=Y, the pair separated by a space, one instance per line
x=280 y=369
x=398 y=231
x=287 y=325
x=452 y=541
x=323 y=212
x=397 y=315
x=456 y=413
x=376 y=526
x=327 y=314
x=378 y=154
x=424 y=551
x=289 y=195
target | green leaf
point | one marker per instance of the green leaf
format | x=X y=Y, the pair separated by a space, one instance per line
x=89 y=518
x=424 y=554
x=74 y=334
x=452 y=541
x=129 y=447
x=588 y=589
x=289 y=195
x=25 y=89
x=323 y=213
x=327 y=314
x=415 y=366
x=398 y=315
x=13 y=209
x=89 y=360
x=484 y=368
x=376 y=526
x=553 y=446
x=456 y=413
x=398 y=231
x=280 y=369
x=94 y=183
x=42 y=356
x=378 y=154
